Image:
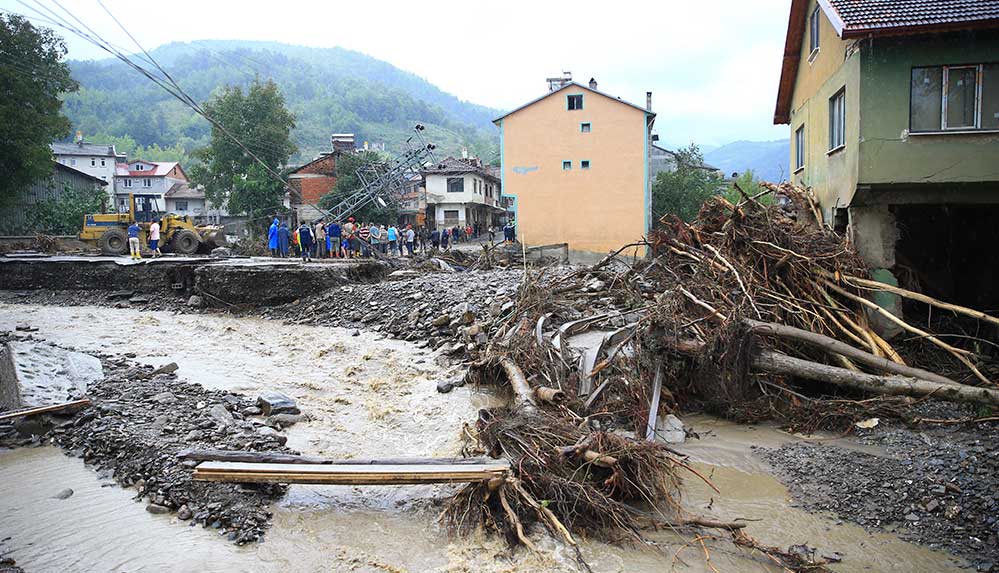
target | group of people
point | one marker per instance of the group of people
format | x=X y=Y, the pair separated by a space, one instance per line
x=360 y=239
x=134 y=245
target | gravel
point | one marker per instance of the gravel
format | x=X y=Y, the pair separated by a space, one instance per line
x=442 y=308
x=137 y=424
x=936 y=485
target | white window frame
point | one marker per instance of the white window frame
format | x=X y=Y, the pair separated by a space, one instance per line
x=799 y=148
x=147 y=182
x=945 y=84
x=841 y=93
x=814 y=39
x=128 y=183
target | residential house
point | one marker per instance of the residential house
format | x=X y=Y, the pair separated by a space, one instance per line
x=93 y=159
x=893 y=108
x=463 y=192
x=16 y=219
x=310 y=182
x=663 y=160
x=185 y=200
x=413 y=201
x=146 y=178
x=576 y=163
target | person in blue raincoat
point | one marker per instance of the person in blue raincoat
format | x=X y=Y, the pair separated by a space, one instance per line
x=284 y=237
x=272 y=238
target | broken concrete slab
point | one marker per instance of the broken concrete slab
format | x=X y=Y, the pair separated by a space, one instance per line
x=34 y=374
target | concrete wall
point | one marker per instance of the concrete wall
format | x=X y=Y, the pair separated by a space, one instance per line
x=594 y=210
x=836 y=65
x=888 y=153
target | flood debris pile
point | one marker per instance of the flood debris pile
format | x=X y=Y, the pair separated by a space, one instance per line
x=139 y=422
x=445 y=309
x=753 y=311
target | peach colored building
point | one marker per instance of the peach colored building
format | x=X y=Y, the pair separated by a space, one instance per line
x=576 y=164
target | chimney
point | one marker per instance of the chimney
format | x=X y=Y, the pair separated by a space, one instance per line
x=593 y=84
x=648 y=101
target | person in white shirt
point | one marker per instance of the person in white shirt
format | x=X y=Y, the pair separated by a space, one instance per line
x=154 y=238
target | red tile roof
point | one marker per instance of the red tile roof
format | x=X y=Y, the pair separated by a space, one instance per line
x=862 y=17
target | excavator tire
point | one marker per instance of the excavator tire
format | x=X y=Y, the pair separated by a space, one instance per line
x=114 y=242
x=185 y=242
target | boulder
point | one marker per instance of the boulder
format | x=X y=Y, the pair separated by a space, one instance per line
x=221 y=415
x=283 y=420
x=195 y=301
x=272 y=402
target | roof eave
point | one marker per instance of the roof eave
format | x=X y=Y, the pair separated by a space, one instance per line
x=789 y=65
x=983 y=24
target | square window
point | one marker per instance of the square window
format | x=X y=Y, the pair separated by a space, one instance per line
x=585 y=127
x=925 y=99
x=566 y=165
x=574 y=102
x=181 y=205
x=147 y=182
x=837 y=120
x=584 y=164
x=455 y=184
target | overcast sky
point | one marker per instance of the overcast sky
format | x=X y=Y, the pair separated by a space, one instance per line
x=712 y=65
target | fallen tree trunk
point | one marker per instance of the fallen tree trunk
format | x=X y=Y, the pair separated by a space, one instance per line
x=841 y=348
x=777 y=363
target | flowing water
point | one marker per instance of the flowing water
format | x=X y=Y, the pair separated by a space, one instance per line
x=366 y=396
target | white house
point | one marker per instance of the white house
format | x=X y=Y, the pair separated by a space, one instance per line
x=147 y=178
x=93 y=159
x=463 y=192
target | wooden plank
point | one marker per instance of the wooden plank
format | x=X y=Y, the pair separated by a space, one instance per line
x=657 y=387
x=347 y=474
x=45 y=409
x=283 y=458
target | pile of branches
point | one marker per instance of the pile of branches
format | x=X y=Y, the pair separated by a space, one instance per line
x=755 y=310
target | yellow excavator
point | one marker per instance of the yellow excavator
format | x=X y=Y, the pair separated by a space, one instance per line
x=109 y=231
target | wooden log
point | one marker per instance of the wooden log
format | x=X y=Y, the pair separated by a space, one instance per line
x=284 y=458
x=777 y=363
x=875 y=285
x=841 y=348
x=551 y=395
x=523 y=395
x=45 y=409
x=347 y=474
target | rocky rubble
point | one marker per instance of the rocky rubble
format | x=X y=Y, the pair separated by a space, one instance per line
x=138 y=423
x=453 y=309
x=938 y=486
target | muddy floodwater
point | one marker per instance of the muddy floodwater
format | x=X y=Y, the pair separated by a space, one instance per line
x=365 y=396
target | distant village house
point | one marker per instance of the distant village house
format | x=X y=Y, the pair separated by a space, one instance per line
x=463 y=193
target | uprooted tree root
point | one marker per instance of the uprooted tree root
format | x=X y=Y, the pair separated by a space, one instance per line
x=752 y=312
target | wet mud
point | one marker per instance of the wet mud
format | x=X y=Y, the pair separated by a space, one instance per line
x=367 y=396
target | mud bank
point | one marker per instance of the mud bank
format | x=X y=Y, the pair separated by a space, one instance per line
x=365 y=396
x=225 y=282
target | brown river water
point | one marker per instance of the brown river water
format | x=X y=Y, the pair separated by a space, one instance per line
x=366 y=396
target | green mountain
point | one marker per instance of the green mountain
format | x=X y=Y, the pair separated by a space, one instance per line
x=768 y=159
x=330 y=90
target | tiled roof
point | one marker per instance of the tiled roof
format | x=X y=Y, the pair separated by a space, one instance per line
x=872 y=16
x=453 y=166
x=159 y=169
x=184 y=191
x=92 y=149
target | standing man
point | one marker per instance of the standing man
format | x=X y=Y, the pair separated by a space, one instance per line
x=376 y=238
x=154 y=237
x=320 y=237
x=305 y=241
x=364 y=236
x=335 y=239
x=272 y=238
x=393 y=239
x=410 y=239
x=435 y=239
x=134 y=248
x=348 y=234
x=284 y=237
